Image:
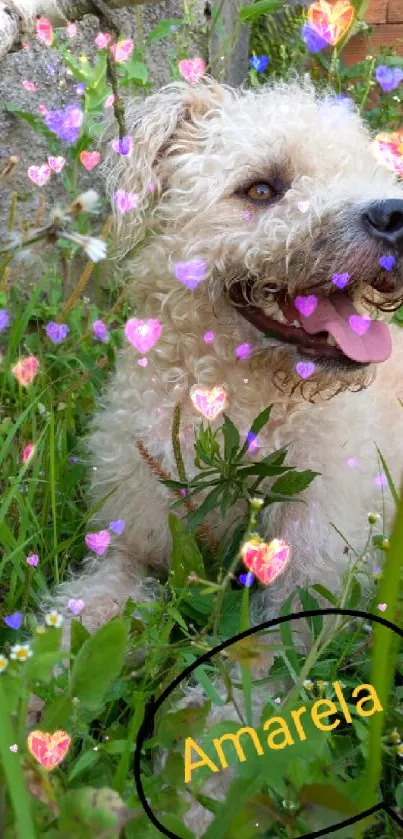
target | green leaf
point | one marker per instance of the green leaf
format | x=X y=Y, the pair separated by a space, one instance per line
x=249 y=14
x=294 y=482
x=326 y=795
x=201 y=676
x=210 y=503
x=354 y=598
x=162 y=29
x=186 y=557
x=85 y=761
x=308 y=603
x=136 y=70
x=266 y=470
x=35 y=122
x=286 y=634
x=399 y=795
x=231 y=438
x=58 y=714
x=258 y=423
x=324 y=592
x=391 y=485
x=98 y=663
x=40 y=668
x=91 y=812
x=78 y=635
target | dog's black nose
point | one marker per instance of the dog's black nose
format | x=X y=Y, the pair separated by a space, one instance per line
x=384 y=221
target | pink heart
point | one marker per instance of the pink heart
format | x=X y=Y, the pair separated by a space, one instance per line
x=305 y=369
x=56 y=163
x=209 y=401
x=192 y=69
x=143 y=334
x=90 y=159
x=303 y=206
x=76 y=606
x=382 y=607
x=142 y=362
x=306 y=305
x=39 y=174
x=122 y=50
x=360 y=323
x=98 y=542
x=341 y=280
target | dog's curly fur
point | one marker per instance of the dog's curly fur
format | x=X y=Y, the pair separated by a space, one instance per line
x=201 y=146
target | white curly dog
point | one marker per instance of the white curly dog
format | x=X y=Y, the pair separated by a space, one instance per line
x=264 y=215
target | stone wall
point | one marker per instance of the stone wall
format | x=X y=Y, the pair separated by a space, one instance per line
x=386 y=20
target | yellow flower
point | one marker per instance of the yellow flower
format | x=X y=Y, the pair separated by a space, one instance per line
x=53 y=618
x=40 y=630
x=395 y=736
x=20 y=652
x=399 y=750
x=3 y=663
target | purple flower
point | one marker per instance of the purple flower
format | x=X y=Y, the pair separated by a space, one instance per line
x=74 y=459
x=13 y=621
x=100 y=331
x=123 y=145
x=388 y=77
x=117 y=526
x=126 y=201
x=4 y=319
x=80 y=88
x=387 y=262
x=66 y=122
x=313 y=40
x=246 y=579
x=57 y=332
x=259 y=62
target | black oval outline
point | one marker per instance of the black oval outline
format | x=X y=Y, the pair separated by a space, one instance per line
x=142 y=733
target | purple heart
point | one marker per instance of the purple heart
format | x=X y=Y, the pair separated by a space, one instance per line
x=190 y=273
x=246 y=579
x=76 y=606
x=387 y=262
x=360 y=324
x=98 y=542
x=13 y=621
x=306 y=305
x=305 y=369
x=117 y=526
x=341 y=280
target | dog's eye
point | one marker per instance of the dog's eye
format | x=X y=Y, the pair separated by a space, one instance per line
x=261 y=192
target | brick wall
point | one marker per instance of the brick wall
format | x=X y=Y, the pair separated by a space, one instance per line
x=386 y=20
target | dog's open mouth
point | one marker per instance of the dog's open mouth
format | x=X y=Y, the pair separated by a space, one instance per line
x=329 y=328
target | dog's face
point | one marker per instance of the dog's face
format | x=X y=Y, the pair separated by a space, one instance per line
x=299 y=226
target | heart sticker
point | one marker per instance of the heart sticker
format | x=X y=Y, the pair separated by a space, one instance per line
x=306 y=305
x=48 y=749
x=90 y=159
x=98 y=542
x=143 y=334
x=331 y=21
x=341 y=280
x=39 y=174
x=266 y=561
x=360 y=324
x=192 y=69
x=388 y=149
x=56 y=163
x=305 y=369
x=210 y=402
x=76 y=606
x=303 y=206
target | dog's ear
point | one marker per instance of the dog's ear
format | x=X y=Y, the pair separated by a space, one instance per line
x=152 y=123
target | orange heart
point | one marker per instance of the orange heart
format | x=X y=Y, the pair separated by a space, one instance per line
x=209 y=401
x=331 y=22
x=48 y=749
x=388 y=148
x=90 y=159
x=266 y=561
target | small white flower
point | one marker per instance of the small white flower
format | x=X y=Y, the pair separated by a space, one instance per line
x=399 y=750
x=53 y=618
x=3 y=663
x=20 y=652
x=87 y=201
x=308 y=685
x=94 y=248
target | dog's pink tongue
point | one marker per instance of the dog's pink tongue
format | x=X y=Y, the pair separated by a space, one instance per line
x=338 y=317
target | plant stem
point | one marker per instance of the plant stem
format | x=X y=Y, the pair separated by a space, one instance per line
x=176 y=443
